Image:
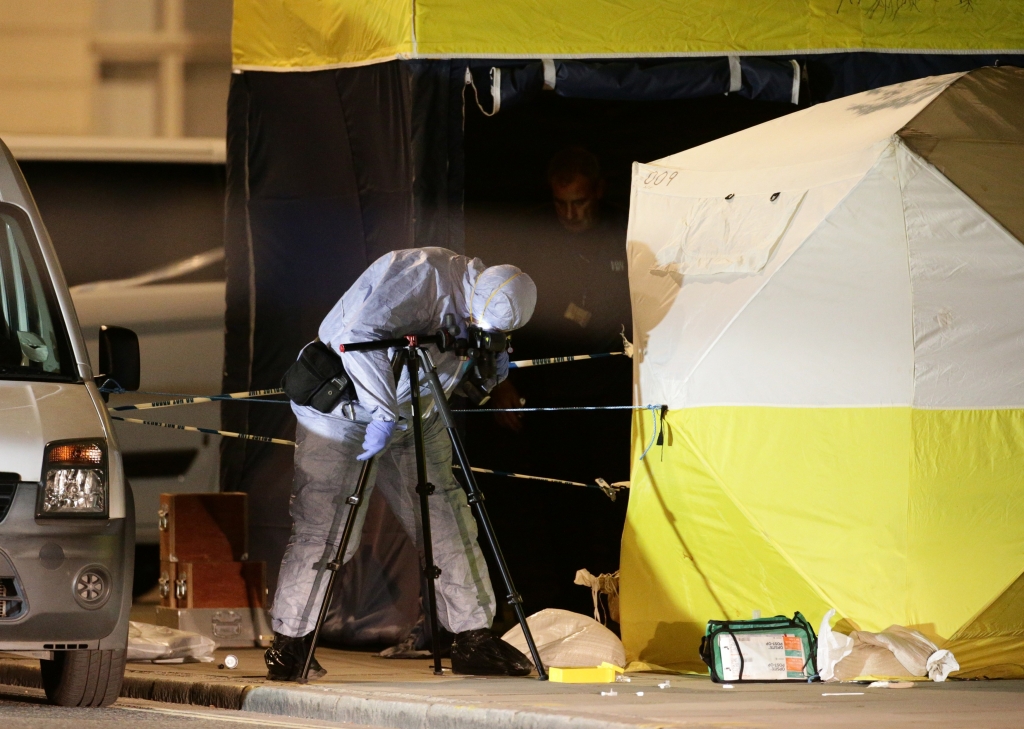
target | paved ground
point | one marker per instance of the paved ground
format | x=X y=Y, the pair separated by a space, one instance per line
x=365 y=690
x=475 y=703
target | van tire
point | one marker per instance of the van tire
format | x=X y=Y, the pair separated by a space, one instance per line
x=83 y=678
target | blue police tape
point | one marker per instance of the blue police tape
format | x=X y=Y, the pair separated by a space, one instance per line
x=555 y=410
x=656 y=435
x=174 y=399
x=608 y=489
x=208 y=431
x=520 y=364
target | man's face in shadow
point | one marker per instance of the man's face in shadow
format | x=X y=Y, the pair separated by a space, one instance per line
x=577 y=202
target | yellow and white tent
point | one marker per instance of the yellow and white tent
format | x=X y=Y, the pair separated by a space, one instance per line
x=831 y=305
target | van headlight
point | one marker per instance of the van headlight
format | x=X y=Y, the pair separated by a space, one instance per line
x=74 y=479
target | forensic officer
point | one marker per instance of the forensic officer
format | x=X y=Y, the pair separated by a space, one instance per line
x=404 y=292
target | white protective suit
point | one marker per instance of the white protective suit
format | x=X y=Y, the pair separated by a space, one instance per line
x=404 y=292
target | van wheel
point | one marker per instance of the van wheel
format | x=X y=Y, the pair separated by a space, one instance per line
x=83 y=678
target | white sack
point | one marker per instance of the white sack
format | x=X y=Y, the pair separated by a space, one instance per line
x=734 y=235
x=910 y=647
x=914 y=652
x=569 y=640
x=161 y=644
x=941 y=663
x=832 y=647
x=606 y=584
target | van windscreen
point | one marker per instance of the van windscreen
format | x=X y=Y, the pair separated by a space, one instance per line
x=33 y=340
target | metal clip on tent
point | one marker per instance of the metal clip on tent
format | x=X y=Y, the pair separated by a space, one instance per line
x=412 y=355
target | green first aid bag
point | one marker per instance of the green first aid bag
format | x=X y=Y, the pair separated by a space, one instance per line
x=763 y=649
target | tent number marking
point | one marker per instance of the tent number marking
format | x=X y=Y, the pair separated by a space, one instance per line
x=657 y=178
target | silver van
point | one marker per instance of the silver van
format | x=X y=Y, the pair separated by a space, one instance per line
x=67 y=523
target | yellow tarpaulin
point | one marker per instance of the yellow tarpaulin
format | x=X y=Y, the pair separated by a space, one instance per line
x=861 y=509
x=307 y=34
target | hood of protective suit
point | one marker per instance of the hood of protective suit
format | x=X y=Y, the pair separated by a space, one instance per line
x=502 y=298
x=410 y=292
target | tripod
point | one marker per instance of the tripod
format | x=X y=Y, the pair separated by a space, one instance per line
x=413 y=356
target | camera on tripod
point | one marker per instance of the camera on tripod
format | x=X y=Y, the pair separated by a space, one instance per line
x=482 y=347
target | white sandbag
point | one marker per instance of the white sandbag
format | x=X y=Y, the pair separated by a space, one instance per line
x=569 y=640
x=160 y=644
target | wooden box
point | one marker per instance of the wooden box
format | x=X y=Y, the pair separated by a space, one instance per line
x=213 y=584
x=204 y=527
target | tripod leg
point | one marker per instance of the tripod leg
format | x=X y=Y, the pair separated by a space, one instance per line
x=476 y=501
x=424 y=489
x=353 y=502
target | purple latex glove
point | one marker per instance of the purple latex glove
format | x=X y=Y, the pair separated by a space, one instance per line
x=501 y=362
x=378 y=433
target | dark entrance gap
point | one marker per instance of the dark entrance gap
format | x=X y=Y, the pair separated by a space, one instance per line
x=549 y=531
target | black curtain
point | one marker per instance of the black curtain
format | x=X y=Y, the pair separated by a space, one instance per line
x=834 y=75
x=319 y=184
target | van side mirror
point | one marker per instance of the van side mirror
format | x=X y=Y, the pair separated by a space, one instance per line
x=119 y=357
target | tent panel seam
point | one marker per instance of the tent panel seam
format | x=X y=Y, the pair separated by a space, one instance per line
x=722 y=53
x=761 y=530
x=415 y=56
x=896 y=141
x=757 y=293
x=977 y=616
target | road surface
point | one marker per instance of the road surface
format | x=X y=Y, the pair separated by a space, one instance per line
x=27 y=709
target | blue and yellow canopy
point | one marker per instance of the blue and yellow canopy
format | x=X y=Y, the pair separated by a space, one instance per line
x=310 y=34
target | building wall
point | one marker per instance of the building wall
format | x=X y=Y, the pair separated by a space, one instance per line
x=124 y=68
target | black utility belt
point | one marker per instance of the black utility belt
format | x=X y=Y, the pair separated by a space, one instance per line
x=318 y=379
